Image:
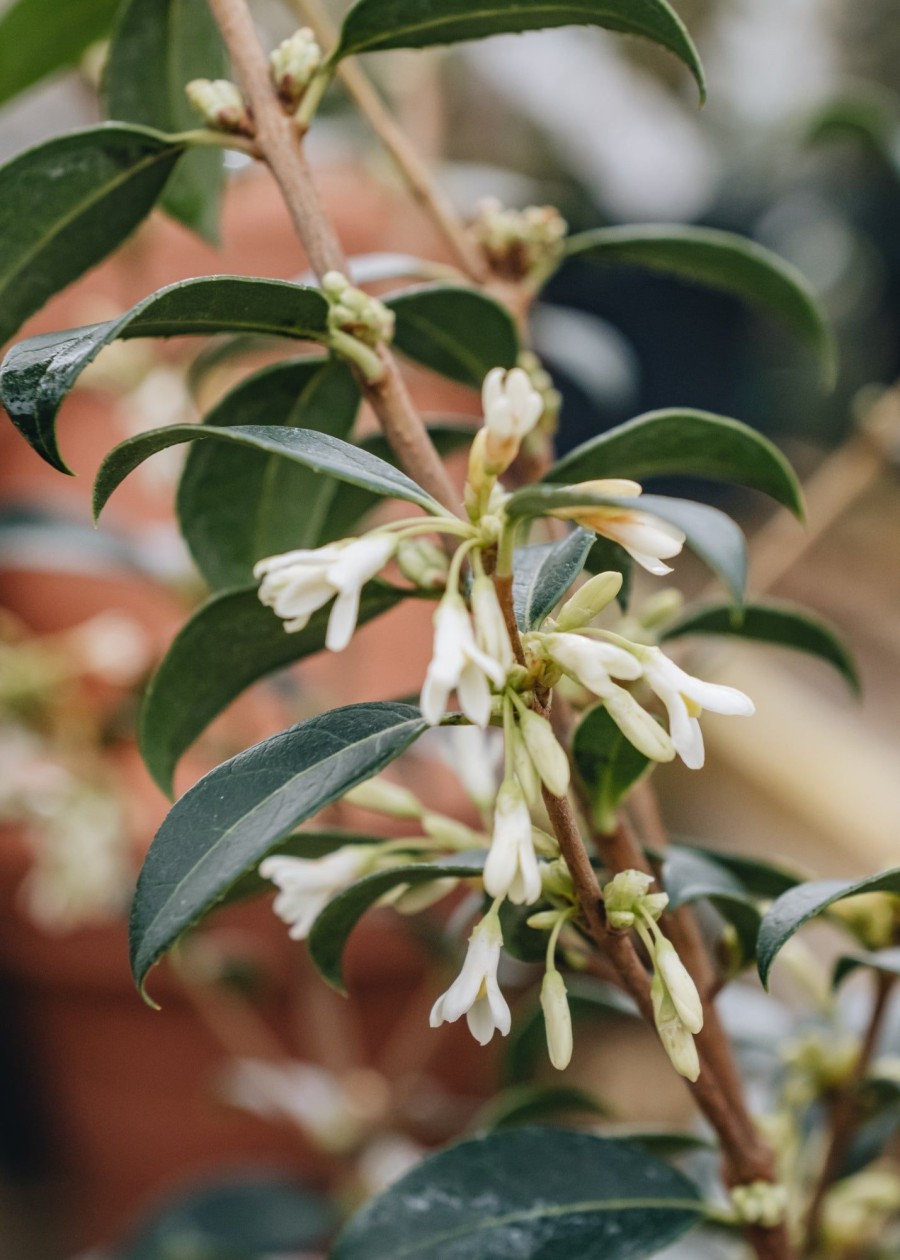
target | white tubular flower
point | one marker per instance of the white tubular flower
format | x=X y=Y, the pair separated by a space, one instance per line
x=545 y=751
x=511 y=869
x=685 y=699
x=680 y=986
x=512 y=407
x=646 y=538
x=491 y=633
x=459 y=665
x=475 y=992
x=677 y=1040
x=306 y=885
x=298 y=583
x=557 y=1019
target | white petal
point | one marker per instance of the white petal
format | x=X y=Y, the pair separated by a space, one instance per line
x=492 y=389
x=358 y=563
x=434 y=697
x=500 y=1011
x=480 y=1019
x=501 y=865
x=638 y=727
x=342 y=621
x=474 y=695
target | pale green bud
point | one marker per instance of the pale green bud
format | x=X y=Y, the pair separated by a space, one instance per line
x=557 y=1019
x=413 y=898
x=545 y=845
x=524 y=768
x=220 y=104
x=556 y=881
x=545 y=751
x=544 y=920
x=762 y=1203
x=355 y=313
x=681 y=987
x=622 y=897
x=453 y=834
x=660 y=608
x=385 y=797
x=424 y=563
x=676 y=1039
x=293 y=64
x=589 y=601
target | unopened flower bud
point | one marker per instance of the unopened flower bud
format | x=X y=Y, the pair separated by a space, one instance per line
x=453 y=834
x=681 y=987
x=677 y=1040
x=524 y=768
x=511 y=410
x=385 y=797
x=412 y=899
x=660 y=608
x=516 y=242
x=545 y=845
x=556 y=880
x=293 y=64
x=543 y=921
x=545 y=751
x=557 y=1019
x=220 y=104
x=760 y=1203
x=622 y=897
x=355 y=313
x=589 y=601
x=424 y=563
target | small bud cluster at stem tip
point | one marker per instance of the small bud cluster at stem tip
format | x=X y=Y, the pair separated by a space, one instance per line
x=762 y=1203
x=293 y=64
x=677 y=1008
x=357 y=324
x=518 y=243
x=221 y=105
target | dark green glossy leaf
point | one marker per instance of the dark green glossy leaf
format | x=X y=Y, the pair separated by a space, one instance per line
x=317 y=451
x=712 y=535
x=37 y=374
x=375 y=25
x=542 y=574
x=157 y=48
x=228 y=822
x=526 y=1192
x=692 y=443
x=719 y=260
x=664 y=1143
x=455 y=331
x=236 y=506
x=778 y=624
x=883 y=960
x=352 y=503
x=526 y=1047
x=689 y=875
x=800 y=904
x=526 y=1104
x=609 y=765
x=38 y=39
x=761 y=879
x=228 y=644
x=65 y=205
x=332 y=928
x=249 y=1218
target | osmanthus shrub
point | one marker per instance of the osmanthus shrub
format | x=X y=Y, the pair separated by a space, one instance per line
x=528 y=570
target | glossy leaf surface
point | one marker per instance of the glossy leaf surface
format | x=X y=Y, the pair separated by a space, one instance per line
x=457 y=332
x=543 y=573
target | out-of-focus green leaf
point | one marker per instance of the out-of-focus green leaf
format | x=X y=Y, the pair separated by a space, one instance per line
x=884 y=960
x=37 y=39
x=688 y=876
x=526 y=1046
x=227 y=823
x=527 y=1104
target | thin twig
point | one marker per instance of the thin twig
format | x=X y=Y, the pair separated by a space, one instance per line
x=410 y=163
x=281 y=148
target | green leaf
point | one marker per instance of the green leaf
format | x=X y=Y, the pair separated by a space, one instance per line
x=542 y=574
x=689 y=875
x=763 y=880
x=457 y=332
x=352 y=503
x=531 y=1192
x=684 y=442
x=228 y=822
x=608 y=557
x=524 y=1104
x=779 y=624
x=719 y=260
x=68 y=203
x=588 y=999
x=798 y=905
x=37 y=39
x=664 y=1143
x=236 y=506
x=230 y=643
x=376 y=25
x=886 y=961
x=247 y=1218
x=871 y=114
x=318 y=451
x=156 y=49
x=332 y=928
x=609 y=765
x=37 y=374
x=712 y=535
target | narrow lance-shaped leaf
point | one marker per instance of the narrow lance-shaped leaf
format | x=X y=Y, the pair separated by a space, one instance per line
x=513 y=1193
x=37 y=39
x=712 y=535
x=457 y=332
x=332 y=928
x=886 y=961
x=68 y=203
x=227 y=823
x=37 y=374
x=689 y=876
x=376 y=25
x=230 y=643
x=688 y=443
x=236 y=506
x=542 y=574
x=719 y=260
x=608 y=763
x=318 y=451
x=156 y=49
x=800 y=904
x=780 y=625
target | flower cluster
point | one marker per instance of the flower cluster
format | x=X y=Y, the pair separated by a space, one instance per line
x=221 y=105
x=517 y=243
x=293 y=64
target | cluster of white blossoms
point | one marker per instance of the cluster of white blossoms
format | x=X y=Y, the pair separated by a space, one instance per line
x=504 y=678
